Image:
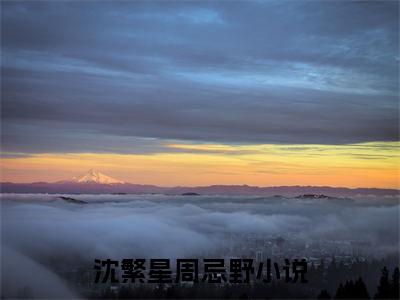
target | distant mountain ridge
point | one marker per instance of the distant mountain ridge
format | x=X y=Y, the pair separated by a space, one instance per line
x=98 y=183
x=95 y=182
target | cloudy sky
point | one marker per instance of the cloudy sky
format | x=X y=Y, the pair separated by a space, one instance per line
x=170 y=93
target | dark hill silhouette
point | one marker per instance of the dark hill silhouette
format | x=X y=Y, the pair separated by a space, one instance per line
x=122 y=188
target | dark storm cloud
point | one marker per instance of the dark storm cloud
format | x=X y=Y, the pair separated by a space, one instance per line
x=228 y=72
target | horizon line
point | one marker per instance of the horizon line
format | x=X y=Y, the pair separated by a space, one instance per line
x=201 y=186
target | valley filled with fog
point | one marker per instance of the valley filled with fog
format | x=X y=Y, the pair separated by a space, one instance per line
x=49 y=236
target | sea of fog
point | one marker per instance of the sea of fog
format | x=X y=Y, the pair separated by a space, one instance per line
x=41 y=232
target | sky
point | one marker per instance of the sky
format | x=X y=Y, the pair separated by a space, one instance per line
x=197 y=93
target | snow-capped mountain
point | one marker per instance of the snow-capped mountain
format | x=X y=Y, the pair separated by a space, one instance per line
x=93 y=176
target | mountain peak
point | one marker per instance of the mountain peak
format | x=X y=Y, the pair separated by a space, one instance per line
x=94 y=176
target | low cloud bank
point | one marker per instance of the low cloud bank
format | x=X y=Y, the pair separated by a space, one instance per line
x=39 y=229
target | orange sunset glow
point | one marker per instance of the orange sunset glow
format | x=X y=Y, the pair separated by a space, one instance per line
x=355 y=165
